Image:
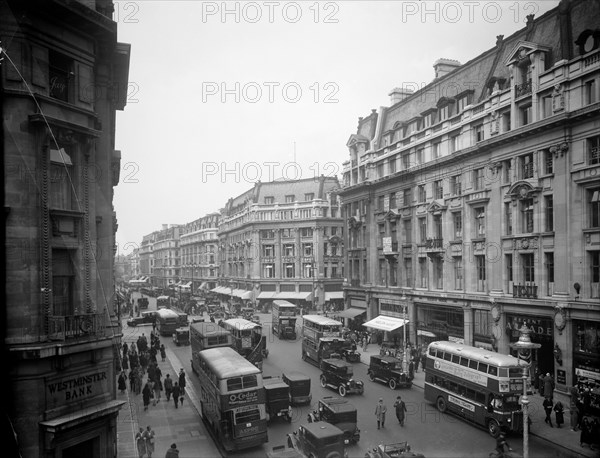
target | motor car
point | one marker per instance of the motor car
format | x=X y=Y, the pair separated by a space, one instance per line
x=144 y=318
x=388 y=369
x=143 y=303
x=318 y=440
x=338 y=412
x=181 y=336
x=299 y=387
x=338 y=374
x=277 y=399
x=255 y=319
x=351 y=355
x=395 y=450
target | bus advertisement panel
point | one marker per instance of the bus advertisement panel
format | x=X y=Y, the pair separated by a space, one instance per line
x=478 y=385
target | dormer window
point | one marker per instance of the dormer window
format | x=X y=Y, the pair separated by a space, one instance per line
x=269 y=200
x=463 y=100
x=445 y=108
x=429 y=118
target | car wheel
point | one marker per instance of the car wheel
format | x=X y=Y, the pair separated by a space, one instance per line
x=392 y=383
x=323 y=381
x=372 y=376
x=493 y=428
x=342 y=390
x=441 y=404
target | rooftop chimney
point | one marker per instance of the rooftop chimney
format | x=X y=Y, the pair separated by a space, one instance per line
x=398 y=94
x=444 y=66
x=165 y=226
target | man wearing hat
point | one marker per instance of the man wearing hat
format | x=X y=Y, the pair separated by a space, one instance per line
x=400 y=407
x=172 y=452
x=548 y=386
x=380 y=411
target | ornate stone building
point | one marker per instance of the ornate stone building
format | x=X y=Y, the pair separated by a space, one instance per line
x=198 y=243
x=63 y=77
x=473 y=204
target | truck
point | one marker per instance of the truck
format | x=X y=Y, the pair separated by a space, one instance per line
x=283 y=317
x=278 y=399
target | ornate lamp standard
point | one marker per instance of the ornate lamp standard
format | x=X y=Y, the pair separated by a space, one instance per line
x=405 y=318
x=524 y=346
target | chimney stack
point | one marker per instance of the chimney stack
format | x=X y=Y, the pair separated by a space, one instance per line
x=165 y=226
x=444 y=66
x=398 y=94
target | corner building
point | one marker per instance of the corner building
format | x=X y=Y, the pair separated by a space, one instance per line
x=63 y=76
x=473 y=205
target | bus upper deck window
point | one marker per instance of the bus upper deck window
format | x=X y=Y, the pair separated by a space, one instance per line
x=493 y=370
x=483 y=367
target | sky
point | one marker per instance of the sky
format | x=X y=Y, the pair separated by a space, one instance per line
x=223 y=94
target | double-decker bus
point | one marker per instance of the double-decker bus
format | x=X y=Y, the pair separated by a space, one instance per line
x=232 y=398
x=283 y=317
x=478 y=385
x=321 y=336
x=207 y=335
x=248 y=340
x=166 y=321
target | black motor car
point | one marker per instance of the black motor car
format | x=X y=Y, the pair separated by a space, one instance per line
x=337 y=374
x=144 y=318
x=338 y=412
x=318 y=440
x=388 y=369
x=278 y=399
x=299 y=387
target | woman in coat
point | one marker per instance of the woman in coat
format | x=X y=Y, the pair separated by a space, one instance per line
x=548 y=386
x=559 y=411
x=141 y=443
x=122 y=383
x=146 y=395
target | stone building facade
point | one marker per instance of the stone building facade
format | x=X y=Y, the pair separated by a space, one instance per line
x=198 y=244
x=63 y=77
x=473 y=205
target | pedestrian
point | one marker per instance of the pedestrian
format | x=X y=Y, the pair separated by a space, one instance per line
x=501 y=443
x=122 y=383
x=380 y=411
x=168 y=385
x=541 y=384
x=125 y=349
x=181 y=384
x=172 y=452
x=148 y=436
x=411 y=369
x=586 y=436
x=574 y=411
x=175 y=392
x=548 y=404
x=141 y=443
x=163 y=353
x=559 y=412
x=157 y=389
x=400 y=409
x=125 y=362
x=147 y=395
x=548 y=386
x=423 y=361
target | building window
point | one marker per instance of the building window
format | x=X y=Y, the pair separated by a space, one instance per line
x=546 y=107
x=405 y=161
x=306 y=232
x=393 y=273
x=289 y=270
x=380 y=173
x=393 y=203
x=289 y=249
x=381 y=234
x=454 y=143
x=525 y=115
x=458 y=273
x=269 y=270
x=549 y=262
x=307 y=269
x=307 y=249
x=548 y=163
x=508 y=218
x=289 y=199
x=507 y=171
x=309 y=196
x=528 y=267
x=478 y=133
x=408 y=272
x=438 y=272
x=594 y=207
x=422 y=193
x=269 y=200
x=407 y=197
x=593 y=150
x=380 y=203
x=422 y=230
x=407 y=223
x=480 y=272
x=458 y=225
x=526 y=166
x=595 y=273
x=438 y=189
x=60 y=73
x=506 y=121
x=527 y=216
x=549 y=204
x=61 y=179
x=509 y=273
x=436 y=150
x=455 y=185
x=63 y=283
x=420 y=156
x=423 y=273
x=478 y=177
x=268 y=251
x=589 y=92
x=479 y=222
x=392 y=165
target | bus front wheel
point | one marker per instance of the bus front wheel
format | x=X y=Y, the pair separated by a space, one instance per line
x=493 y=428
x=441 y=404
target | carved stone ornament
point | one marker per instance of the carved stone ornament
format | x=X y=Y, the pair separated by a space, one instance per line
x=559 y=150
x=494 y=167
x=525 y=244
x=496 y=312
x=558 y=98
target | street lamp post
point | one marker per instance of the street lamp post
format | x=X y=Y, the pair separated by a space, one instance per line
x=404 y=317
x=524 y=347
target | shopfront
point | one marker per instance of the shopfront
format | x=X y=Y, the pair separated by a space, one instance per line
x=586 y=363
x=439 y=323
x=541 y=333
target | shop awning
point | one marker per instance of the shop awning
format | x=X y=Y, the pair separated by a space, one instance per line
x=421 y=332
x=293 y=295
x=246 y=295
x=266 y=295
x=334 y=295
x=204 y=285
x=351 y=313
x=241 y=293
x=385 y=323
x=88 y=414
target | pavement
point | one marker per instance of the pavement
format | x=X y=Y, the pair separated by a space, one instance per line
x=561 y=437
x=183 y=426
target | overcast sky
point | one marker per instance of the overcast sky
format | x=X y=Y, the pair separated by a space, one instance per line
x=222 y=94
